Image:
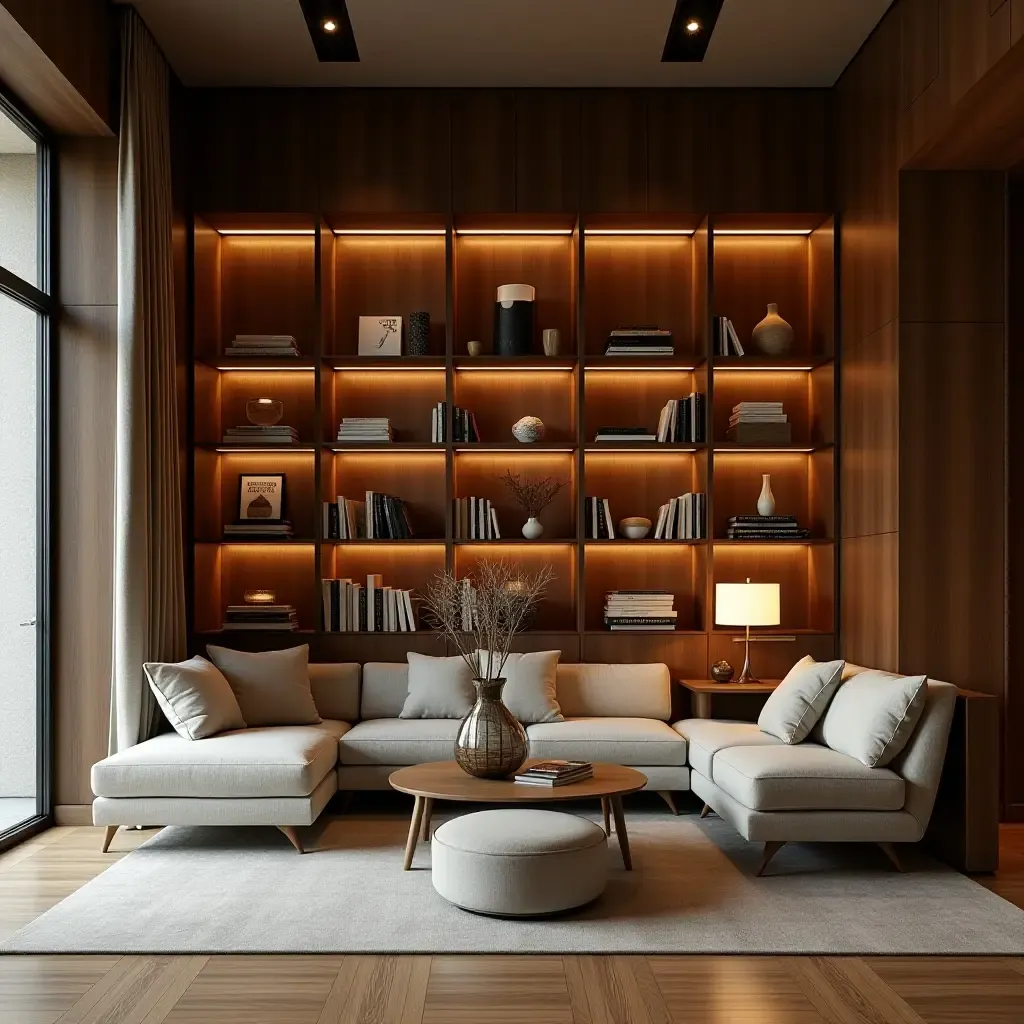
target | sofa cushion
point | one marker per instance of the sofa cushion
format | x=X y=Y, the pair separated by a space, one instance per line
x=530 y=687
x=277 y=761
x=632 y=741
x=706 y=736
x=272 y=687
x=873 y=715
x=194 y=697
x=796 y=704
x=615 y=691
x=399 y=741
x=805 y=777
x=438 y=687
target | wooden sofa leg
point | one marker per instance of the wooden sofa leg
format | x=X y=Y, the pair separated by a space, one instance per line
x=770 y=849
x=666 y=795
x=293 y=836
x=108 y=835
x=705 y=810
x=890 y=852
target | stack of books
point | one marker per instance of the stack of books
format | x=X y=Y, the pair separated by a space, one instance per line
x=597 y=517
x=759 y=423
x=682 y=419
x=275 y=435
x=259 y=529
x=640 y=611
x=766 y=528
x=624 y=434
x=281 y=617
x=344 y=519
x=639 y=341
x=727 y=342
x=365 y=429
x=475 y=519
x=464 y=426
x=350 y=607
x=379 y=517
x=555 y=773
x=683 y=518
x=263 y=346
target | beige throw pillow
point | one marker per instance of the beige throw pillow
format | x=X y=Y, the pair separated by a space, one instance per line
x=438 y=688
x=195 y=697
x=272 y=687
x=530 y=679
x=800 y=699
x=873 y=715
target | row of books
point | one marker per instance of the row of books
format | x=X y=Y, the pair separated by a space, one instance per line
x=270 y=346
x=350 y=607
x=259 y=529
x=475 y=519
x=759 y=423
x=275 y=435
x=464 y=426
x=639 y=341
x=365 y=429
x=766 y=528
x=379 y=517
x=597 y=519
x=683 y=419
x=274 y=617
x=555 y=773
x=683 y=518
x=726 y=338
x=639 y=610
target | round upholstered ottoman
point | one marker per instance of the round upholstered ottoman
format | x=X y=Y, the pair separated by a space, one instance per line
x=519 y=862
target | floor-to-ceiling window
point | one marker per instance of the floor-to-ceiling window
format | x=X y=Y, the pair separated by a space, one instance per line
x=25 y=311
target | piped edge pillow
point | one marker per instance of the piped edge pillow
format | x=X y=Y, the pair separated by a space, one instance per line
x=195 y=697
x=797 y=703
x=271 y=687
x=873 y=715
x=530 y=688
x=438 y=688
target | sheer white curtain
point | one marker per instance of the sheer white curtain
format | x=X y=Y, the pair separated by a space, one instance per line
x=149 y=594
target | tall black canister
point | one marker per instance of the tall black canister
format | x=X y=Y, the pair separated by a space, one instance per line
x=513 y=320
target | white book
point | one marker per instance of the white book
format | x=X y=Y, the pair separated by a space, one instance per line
x=495 y=532
x=673 y=417
x=659 y=529
x=734 y=337
x=433 y=425
x=369 y=515
x=411 y=618
x=672 y=519
x=608 y=518
x=663 y=421
x=472 y=518
x=400 y=623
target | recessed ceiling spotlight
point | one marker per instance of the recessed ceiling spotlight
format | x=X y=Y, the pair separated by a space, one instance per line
x=693 y=26
x=690 y=30
x=329 y=25
x=330 y=29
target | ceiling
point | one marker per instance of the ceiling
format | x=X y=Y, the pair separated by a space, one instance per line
x=573 y=43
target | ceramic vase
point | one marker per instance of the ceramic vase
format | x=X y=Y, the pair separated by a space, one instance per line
x=766 y=502
x=491 y=743
x=532 y=529
x=551 y=338
x=417 y=336
x=773 y=336
x=475 y=348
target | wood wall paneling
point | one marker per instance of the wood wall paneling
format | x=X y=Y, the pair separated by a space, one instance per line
x=920 y=47
x=614 y=151
x=483 y=125
x=976 y=35
x=678 y=150
x=869 y=601
x=548 y=125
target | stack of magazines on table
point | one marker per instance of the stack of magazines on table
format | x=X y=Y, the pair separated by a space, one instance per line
x=556 y=773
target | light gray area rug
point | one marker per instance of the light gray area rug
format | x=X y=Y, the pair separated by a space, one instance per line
x=692 y=890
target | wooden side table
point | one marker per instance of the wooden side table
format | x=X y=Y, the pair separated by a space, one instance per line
x=704 y=689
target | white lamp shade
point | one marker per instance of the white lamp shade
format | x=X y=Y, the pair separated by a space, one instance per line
x=747 y=604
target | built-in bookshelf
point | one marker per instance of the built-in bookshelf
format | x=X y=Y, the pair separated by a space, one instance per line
x=312 y=279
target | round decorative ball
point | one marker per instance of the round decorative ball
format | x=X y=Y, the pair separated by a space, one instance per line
x=635 y=527
x=721 y=671
x=264 y=412
x=528 y=430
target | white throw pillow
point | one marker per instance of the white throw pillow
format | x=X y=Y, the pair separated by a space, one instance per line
x=271 y=687
x=195 y=697
x=873 y=715
x=530 y=680
x=800 y=699
x=438 y=688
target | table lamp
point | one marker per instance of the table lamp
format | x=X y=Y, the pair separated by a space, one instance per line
x=747 y=604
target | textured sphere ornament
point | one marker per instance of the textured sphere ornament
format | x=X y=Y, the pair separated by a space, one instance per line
x=773 y=336
x=491 y=743
x=721 y=671
x=264 y=412
x=528 y=430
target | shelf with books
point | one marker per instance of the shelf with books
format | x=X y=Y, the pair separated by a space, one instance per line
x=498 y=399
x=381 y=364
x=407 y=399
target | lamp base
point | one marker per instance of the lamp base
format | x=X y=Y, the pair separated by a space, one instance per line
x=745 y=678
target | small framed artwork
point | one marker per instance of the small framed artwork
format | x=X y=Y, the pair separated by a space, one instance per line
x=380 y=335
x=260 y=497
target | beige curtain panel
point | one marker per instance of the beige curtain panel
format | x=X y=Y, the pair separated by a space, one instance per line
x=149 y=596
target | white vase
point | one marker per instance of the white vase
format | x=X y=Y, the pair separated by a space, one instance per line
x=532 y=529
x=766 y=502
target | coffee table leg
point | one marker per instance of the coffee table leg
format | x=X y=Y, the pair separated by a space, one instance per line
x=620 y=831
x=428 y=810
x=607 y=812
x=414 y=832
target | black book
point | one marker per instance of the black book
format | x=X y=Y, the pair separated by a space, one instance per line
x=362 y=609
x=379 y=520
x=390 y=518
x=701 y=414
x=588 y=504
x=378 y=608
x=333 y=521
x=405 y=524
x=335 y=606
x=760 y=520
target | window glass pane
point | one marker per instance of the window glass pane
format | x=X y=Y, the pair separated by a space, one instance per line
x=18 y=543
x=19 y=214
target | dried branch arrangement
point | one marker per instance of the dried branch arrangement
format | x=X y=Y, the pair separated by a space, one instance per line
x=484 y=611
x=532 y=496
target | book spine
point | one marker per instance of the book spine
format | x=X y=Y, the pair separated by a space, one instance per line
x=608 y=518
x=602 y=522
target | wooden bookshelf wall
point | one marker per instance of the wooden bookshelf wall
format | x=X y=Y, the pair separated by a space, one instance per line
x=313 y=279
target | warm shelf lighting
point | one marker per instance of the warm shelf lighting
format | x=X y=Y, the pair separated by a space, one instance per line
x=762 y=231
x=680 y=232
x=384 y=232
x=504 y=368
x=387 y=368
x=676 y=368
x=265 y=450
x=525 y=450
x=655 y=448
x=266 y=231
x=762 y=369
x=513 y=231
x=230 y=368
x=762 y=451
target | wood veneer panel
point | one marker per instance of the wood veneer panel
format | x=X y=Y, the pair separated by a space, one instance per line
x=220 y=401
x=633 y=280
x=547 y=158
x=975 y=36
x=614 y=151
x=483 y=150
x=499 y=398
x=630 y=398
x=684 y=654
x=407 y=397
x=920 y=47
x=418 y=478
x=386 y=276
x=639 y=483
x=679 y=150
x=822 y=288
x=791 y=388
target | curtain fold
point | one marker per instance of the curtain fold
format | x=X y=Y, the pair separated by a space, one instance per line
x=149 y=593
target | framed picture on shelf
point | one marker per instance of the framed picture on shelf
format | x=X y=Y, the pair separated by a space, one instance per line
x=261 y=497
x=380 y=335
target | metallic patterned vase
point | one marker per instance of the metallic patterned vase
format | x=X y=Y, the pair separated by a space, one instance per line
x=491 y=743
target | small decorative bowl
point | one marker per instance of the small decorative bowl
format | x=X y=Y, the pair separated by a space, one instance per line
x=721 y=671
x=635 y=527
x=259 y=597
x=264 y=412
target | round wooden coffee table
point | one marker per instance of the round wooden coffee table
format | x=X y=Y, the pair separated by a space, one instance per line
x=445 y=780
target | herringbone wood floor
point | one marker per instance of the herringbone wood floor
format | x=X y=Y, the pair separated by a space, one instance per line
x=476 y=989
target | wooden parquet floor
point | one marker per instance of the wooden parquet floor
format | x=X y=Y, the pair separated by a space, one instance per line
x=477 y=989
